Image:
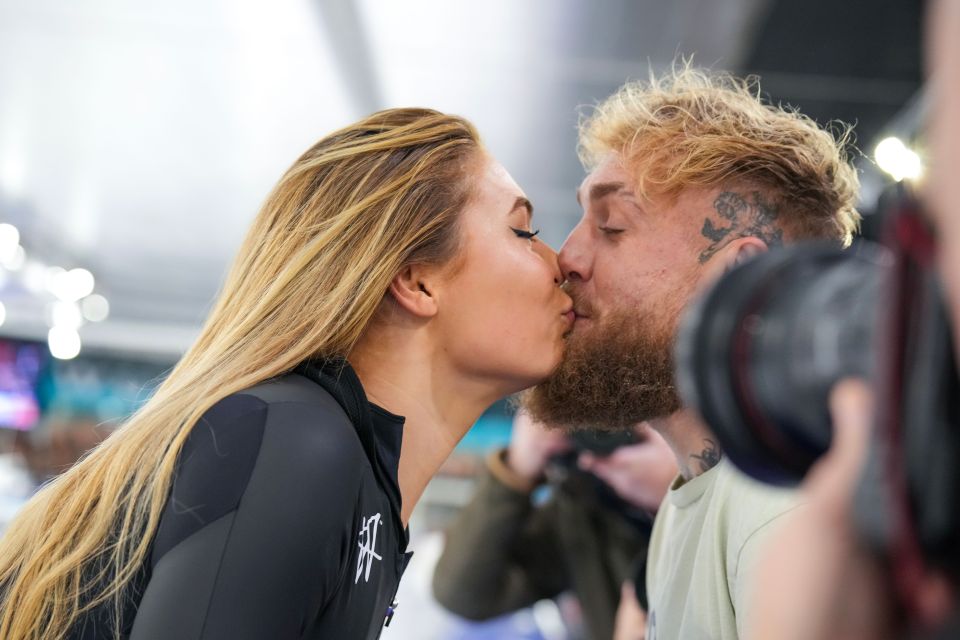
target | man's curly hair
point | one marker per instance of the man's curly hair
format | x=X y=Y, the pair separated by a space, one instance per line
x=696 y=128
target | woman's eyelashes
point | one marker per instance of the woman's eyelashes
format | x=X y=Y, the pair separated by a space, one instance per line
x=523 y=233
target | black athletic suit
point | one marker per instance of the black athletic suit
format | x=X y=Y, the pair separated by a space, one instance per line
x=283 y=521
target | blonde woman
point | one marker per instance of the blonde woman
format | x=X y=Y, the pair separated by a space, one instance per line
x=390 y=289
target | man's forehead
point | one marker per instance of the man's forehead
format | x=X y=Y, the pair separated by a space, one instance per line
x=611 y=169
x=610 y=177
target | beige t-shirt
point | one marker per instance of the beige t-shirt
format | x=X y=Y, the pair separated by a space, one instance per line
x=702 y=553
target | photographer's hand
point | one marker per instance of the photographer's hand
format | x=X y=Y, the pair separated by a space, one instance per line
x=631 y=621
x=942 y=189
x=531 y=446
x=640 y=473
x=816 y=581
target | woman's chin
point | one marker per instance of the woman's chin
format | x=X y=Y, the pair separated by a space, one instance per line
x=530 y=378
x=551 y=364
x=534 y=368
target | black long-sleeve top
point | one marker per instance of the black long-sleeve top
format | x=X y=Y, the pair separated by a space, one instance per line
x=283 y=521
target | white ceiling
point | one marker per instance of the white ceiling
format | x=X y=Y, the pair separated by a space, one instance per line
x=137 y=139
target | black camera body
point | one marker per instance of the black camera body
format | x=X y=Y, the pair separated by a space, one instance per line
x=602 y=443
x=758 y=355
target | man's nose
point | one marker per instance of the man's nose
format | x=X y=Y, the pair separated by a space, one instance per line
x=575 y=255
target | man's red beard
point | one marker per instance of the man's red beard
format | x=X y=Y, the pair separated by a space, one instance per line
x=616 y=373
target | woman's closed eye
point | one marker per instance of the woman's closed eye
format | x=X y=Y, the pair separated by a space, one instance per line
x=523 y=233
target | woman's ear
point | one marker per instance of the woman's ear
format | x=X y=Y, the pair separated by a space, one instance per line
x=734 y=253
x=413 y=290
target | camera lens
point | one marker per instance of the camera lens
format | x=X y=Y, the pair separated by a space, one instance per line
x=758 y=354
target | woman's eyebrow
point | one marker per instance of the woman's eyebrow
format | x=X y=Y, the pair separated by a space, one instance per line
x=523 y=203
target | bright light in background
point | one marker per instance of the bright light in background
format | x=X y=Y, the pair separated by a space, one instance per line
x=34 y=276
x=9 y=242
x=72 y=285
x=51 y=276
x=898 y=160
x=90 y=85
x=83 y=221
x=15 y=125
x=16 y=262
x=65 y=314
x=95 y=308
x=64 y=343
x=11 y=173
x=3 y=313
x=471 y=77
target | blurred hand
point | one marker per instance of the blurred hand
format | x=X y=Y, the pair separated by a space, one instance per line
x=640 y=473
x=631 y=622
x=815 y=581
x=942 y=189
x=532 y=445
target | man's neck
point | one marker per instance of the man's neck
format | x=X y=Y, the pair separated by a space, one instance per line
x=695 y=447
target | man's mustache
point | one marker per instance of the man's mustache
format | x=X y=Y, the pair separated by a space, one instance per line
x=581 y=306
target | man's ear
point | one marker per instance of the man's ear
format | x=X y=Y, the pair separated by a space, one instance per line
x=413 y=290
x=732 y=254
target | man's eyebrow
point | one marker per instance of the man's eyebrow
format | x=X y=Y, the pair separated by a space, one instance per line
x=523 y=203
x=601 y=190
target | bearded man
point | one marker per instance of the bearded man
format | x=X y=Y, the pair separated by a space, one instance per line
x=690 y=175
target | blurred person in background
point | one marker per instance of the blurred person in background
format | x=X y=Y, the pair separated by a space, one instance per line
x=31 y=458
x=690 y=174
x=819 y=580
x=57 y=443
x=389 y=290
x=17 y=482
x=505 y=551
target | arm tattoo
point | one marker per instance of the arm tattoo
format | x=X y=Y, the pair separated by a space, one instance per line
x=709 y=457
x=742 y=216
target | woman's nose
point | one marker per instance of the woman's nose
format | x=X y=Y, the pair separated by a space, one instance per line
x=550 y=256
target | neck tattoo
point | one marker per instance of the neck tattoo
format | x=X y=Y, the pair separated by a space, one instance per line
x=709 y=457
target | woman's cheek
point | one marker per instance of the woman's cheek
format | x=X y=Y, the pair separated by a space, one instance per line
x=540 y=276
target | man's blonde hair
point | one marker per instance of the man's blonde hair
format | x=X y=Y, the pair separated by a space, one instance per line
x=695 y=128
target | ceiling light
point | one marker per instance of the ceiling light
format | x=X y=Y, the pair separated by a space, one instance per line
x=64 y=343
x=72 y=285
x=65 y=314
x=9 y=241
x=95 y=308
x=898 y=160
x=17 y=260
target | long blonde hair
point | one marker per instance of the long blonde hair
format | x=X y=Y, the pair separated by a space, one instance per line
x=344 y=219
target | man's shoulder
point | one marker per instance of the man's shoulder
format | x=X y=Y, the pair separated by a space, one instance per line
x=748 y=505
x=713 y=538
